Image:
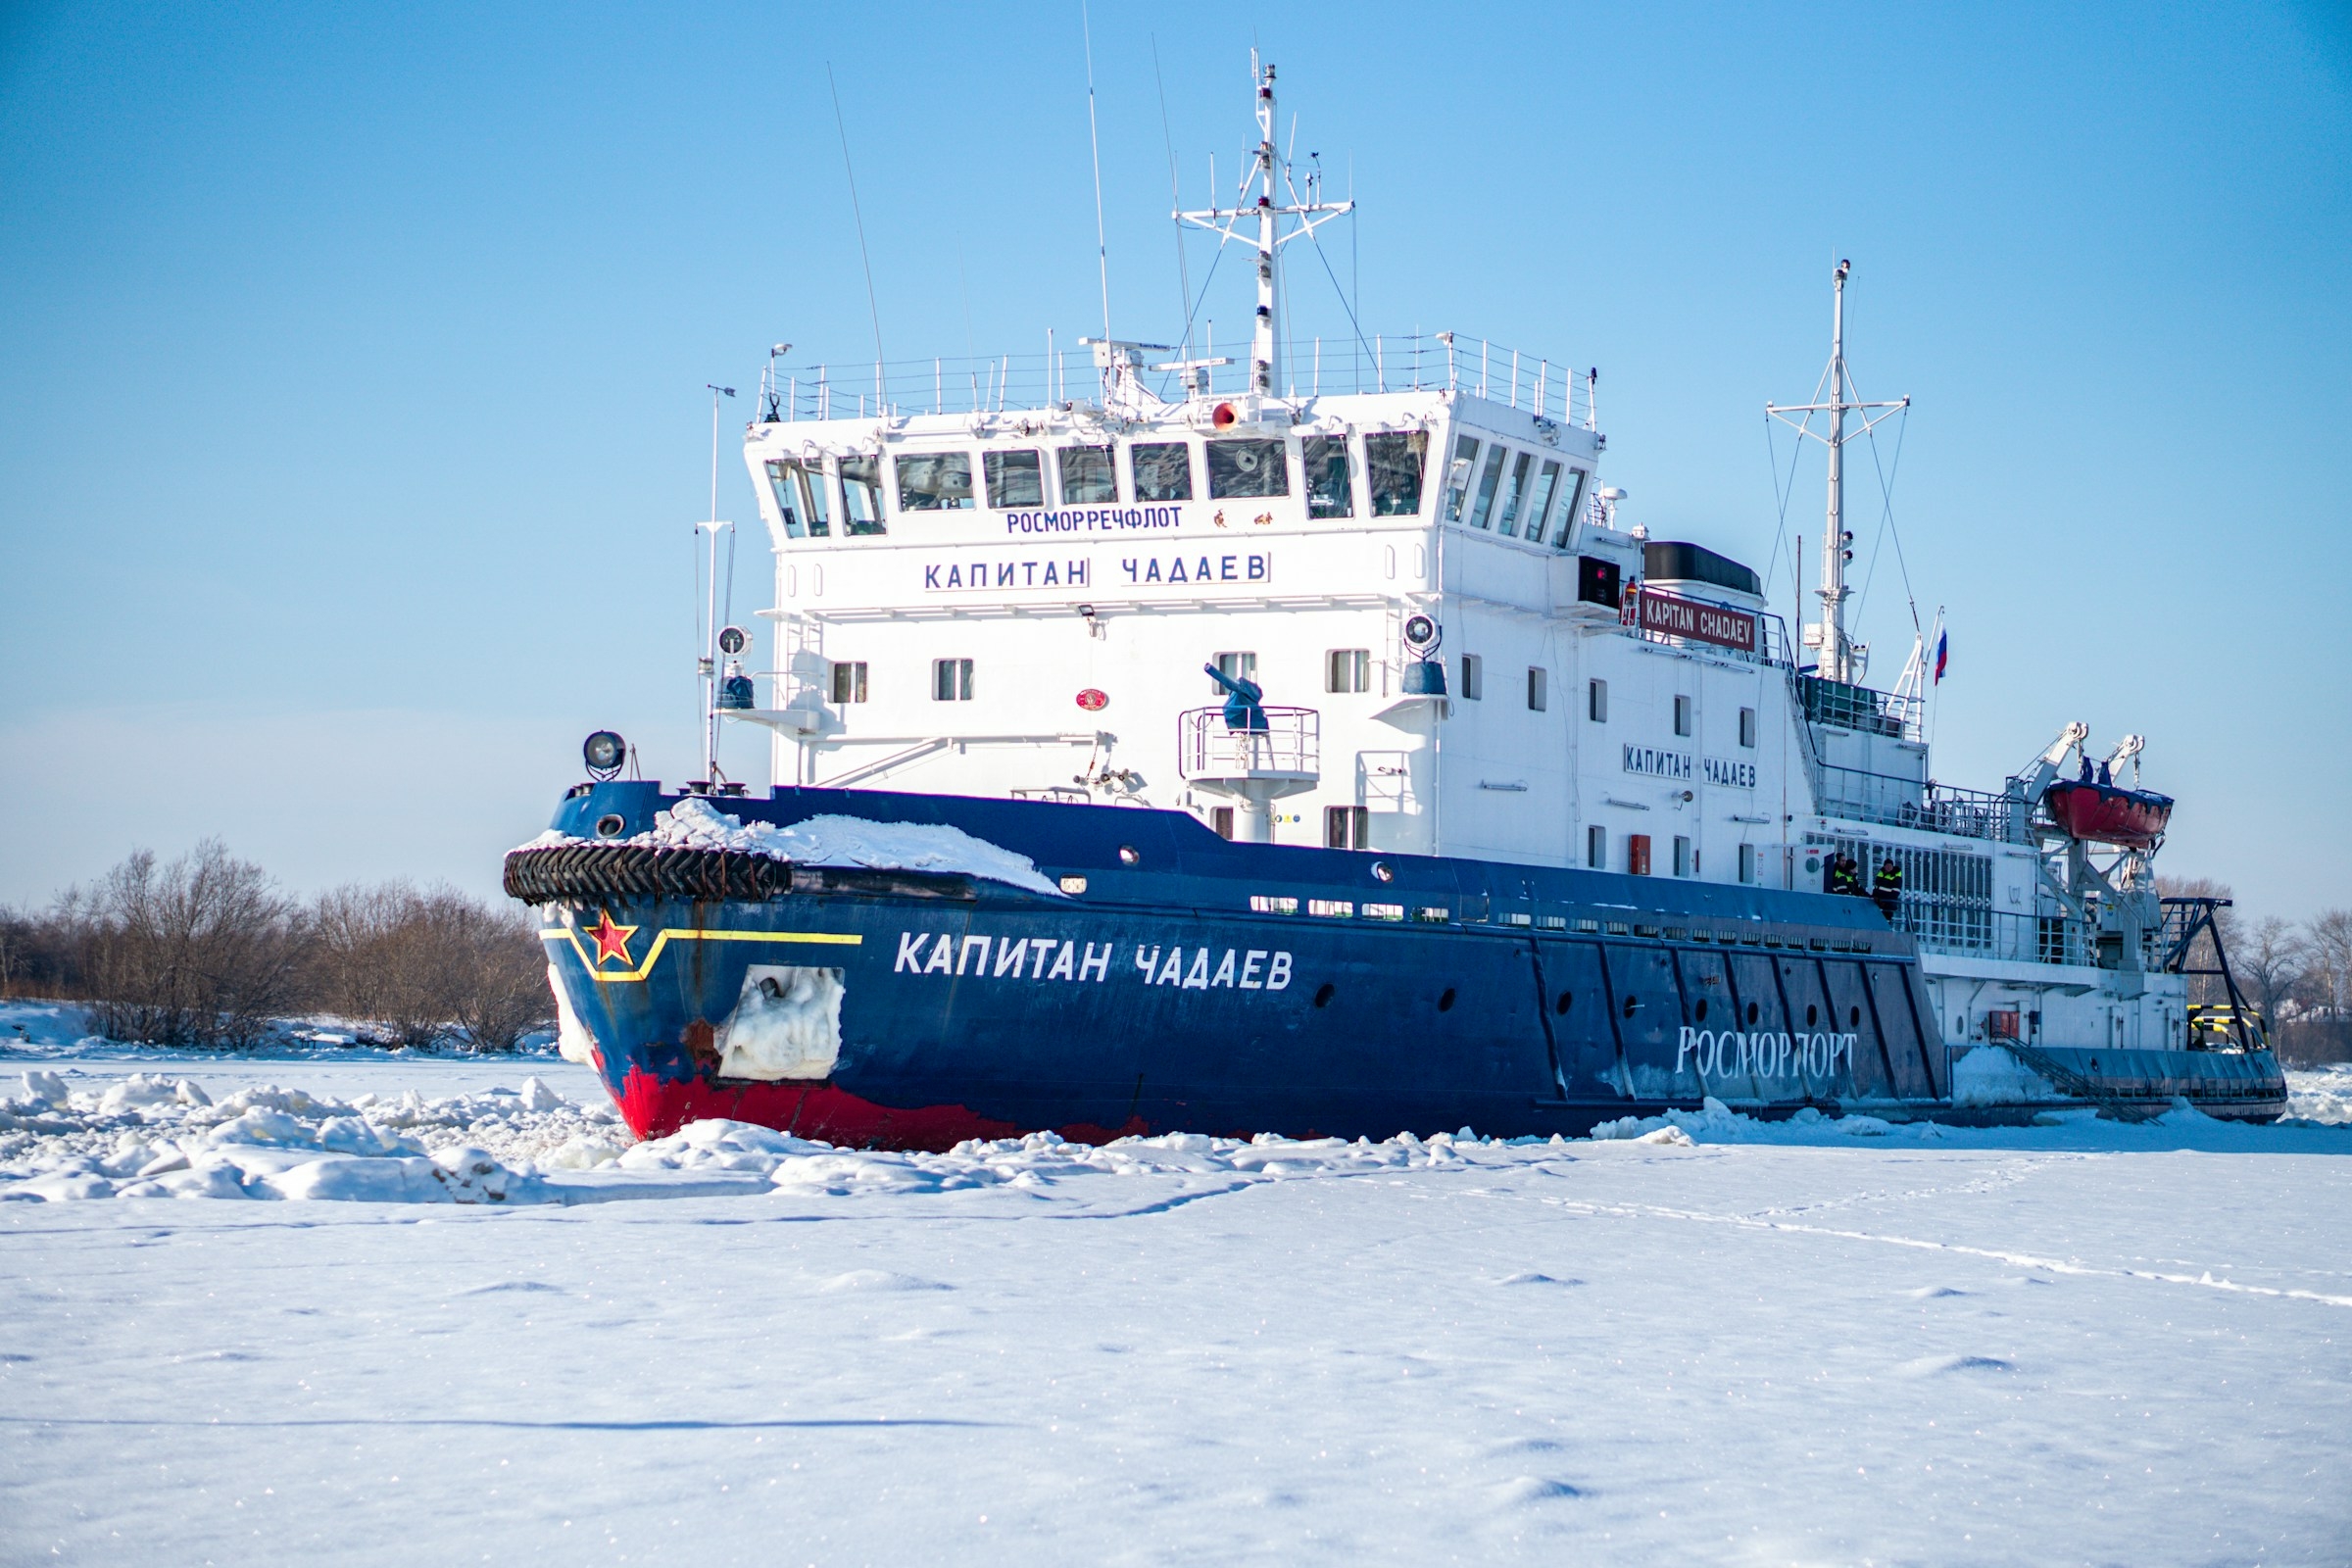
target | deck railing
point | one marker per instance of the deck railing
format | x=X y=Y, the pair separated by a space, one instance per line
x=1290 y=746
x=1318 y=366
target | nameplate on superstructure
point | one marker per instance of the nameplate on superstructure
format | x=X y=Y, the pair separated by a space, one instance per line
x=1652 y=762
x=1728 y=774
x=970 y=572
x=1670 y=616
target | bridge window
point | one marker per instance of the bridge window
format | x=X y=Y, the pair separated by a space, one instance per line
x=1089 y=479
x=1163 y=470
x=1488 y=481
x=1596 y=848
x=1748 y=727
x=1538 y=504
x=935 y=481
x=1330 y=487
x=1458 y=476
x=1569 y=507
x=1240 y=468
x=1346 y=827
x=950 y=680
x=1392 y=459
x=1347 y=669
x=802 y=496
x=1473 y=685
x=1596 y=701
x=862 y=495
x=1015 y=480
x=1506 y=520
x=849 y=682
x=1539 y=689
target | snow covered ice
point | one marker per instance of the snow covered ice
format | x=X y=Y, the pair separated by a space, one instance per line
x=1700 y=1338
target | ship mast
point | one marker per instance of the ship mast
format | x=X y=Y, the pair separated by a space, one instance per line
x=1840 y=659
x=1270 y=180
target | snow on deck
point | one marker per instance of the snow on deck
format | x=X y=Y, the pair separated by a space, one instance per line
x=1704 y=1340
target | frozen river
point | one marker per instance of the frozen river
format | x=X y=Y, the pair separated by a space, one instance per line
x=2072 y=1343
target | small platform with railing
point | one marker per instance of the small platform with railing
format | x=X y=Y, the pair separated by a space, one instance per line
x=1278 y=752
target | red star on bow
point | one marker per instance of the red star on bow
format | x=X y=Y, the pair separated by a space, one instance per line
x=612 y=940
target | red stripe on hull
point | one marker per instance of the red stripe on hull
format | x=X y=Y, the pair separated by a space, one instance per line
x=656 y=1107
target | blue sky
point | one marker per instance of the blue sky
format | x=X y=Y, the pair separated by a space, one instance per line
x=351 y=409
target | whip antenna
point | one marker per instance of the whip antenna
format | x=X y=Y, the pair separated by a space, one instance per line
x=871 y=308
x=1095 y=142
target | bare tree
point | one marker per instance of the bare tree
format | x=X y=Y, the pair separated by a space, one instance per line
x=2270 y=959
x=504 y=994
x=2330 y=963
x=201 y=951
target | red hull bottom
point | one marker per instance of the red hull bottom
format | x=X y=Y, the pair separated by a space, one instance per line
x=656 y=1107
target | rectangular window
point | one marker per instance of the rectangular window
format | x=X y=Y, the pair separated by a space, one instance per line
x=1682 y=716
x=1539 y=689
x=1392 y=461
x=950 y=680
x=1747 y=728
x=1682 y=855
x=1538 y=504
x=1330 y=488
x=1636 y=853
x=1563 y=532
x=1163 y=470
x=1089 y=479
x=1347 y=669
x=1488 y=481
x=862 y=495
x=1474 y=686
x=1747 y=864
x=1236 y=666
x=803 y=497
x=1220 y=820
x=1243 y=468
x=935 y=481
x=1596 y=848
x=849 y=682
x=1506 y=518
x=1596 y=701
x=1458 y=476
x=1346 y=827
x=1015 y=480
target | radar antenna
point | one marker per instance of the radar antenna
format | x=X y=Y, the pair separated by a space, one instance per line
x=1839 y=658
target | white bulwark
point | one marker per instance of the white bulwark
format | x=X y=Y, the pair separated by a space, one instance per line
x=1004 y=577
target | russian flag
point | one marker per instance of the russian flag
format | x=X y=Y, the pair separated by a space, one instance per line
x=1943 y=654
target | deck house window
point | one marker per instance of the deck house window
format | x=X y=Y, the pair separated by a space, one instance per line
x=1347 y=669
x=1089 y=479
x=1458 y=476
x=1747 y=864
x=950 y=680
x=1392 y=462
x=1163 y=470
x=1596 y=701
x=1571 y=500
x=1015 y=480
x=1488 y=481
x=1330 y=487
x=1474 y=685
x=1683 y=861
x=802 y=496
x=849 y=682
x=862 y=495
x=935 y=481
x=1748 y=727
x=1236 y=666
x=1682 y=716
x=1346 y=827
x=1244 y=467
x=1506 y=520
x=1596 y=848
x=1539 y=688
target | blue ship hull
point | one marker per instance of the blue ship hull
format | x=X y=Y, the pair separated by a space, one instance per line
x=1191 y=984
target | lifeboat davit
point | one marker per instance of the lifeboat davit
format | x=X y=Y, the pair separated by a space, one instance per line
x=2109 y=813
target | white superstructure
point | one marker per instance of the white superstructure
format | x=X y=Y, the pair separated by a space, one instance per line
x=1004 y=578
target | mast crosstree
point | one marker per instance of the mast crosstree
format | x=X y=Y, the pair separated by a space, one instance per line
x=1840 y=657
x=1270 y=179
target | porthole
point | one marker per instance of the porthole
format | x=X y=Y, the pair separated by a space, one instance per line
x=1853 y=1017
x=608 y=825
x=1751 y=1015
x=1446 y=1000
x=1561 y=1005
x=1812 y=1015
x=1383 y=870
x=1701 y=1014
x=1323 y=993
x=1632 y=1002
x=1130 y=856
